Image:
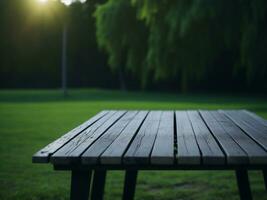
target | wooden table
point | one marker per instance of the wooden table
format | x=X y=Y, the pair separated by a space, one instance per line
x=158 y=140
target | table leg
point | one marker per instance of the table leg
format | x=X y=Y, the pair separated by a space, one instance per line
x=129 y=184
x=80 y=184
x=243 y=184
x=265 y=177
x=98 y=184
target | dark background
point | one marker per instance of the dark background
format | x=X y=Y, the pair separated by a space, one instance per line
x=30 y=55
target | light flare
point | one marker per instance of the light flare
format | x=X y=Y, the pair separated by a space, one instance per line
x=42 y=1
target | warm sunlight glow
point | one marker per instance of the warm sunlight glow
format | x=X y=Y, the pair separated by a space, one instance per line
x=66 y=2
x=42 y=1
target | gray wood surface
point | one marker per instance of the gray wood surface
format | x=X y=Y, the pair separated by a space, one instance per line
x=141 y=146
x=250 y=119
x=167 y=138
x=92 y=154
x=113 y=154
x=210 y=150
x=234 y=153
x=72 y=150
x=187 y=147
x=260 y=119
x=255 y=153
x=253 y=120
x=255 y=130
x=163 y=149
x=44 y=154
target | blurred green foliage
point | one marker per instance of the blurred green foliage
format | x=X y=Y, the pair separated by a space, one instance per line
x=163 y=45
x=185 y=38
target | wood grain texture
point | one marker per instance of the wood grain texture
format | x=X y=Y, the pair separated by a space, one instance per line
x=187 y=148
x=141 y=147
x=255 y=153
x=166 y=138
x=72 y=150
x=210 y=150
x=92 y=154
x=255 y=130
x=252 y=119
x=44 y=154
x=163 y=149
x=114 y=153
x=256 y=117
x=234 y=153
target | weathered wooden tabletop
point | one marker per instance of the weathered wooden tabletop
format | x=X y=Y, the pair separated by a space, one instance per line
x=162 y=138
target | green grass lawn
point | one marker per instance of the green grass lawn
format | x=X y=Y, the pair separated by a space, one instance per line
x=31 y=119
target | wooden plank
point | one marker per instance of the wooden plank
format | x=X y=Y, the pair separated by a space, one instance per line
x=163 y=149
x=210 y=150
x=141 y=147
x=234 y=153
x=253 y=120
x=72 y=150
x=187 y=148
x=259 y=133
x=92 y=154
x=44 y=154
x=113 y=154
x=255 y=153
x=260 y=119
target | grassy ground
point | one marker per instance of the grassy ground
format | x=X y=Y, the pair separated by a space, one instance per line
x=31 y=119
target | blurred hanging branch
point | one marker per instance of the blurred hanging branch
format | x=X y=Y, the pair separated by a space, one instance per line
x=183 y=37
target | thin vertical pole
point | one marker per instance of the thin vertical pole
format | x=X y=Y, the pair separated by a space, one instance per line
x=64 y=59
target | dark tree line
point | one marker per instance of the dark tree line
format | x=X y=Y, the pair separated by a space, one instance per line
x=177 y=45
x=188 y=40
